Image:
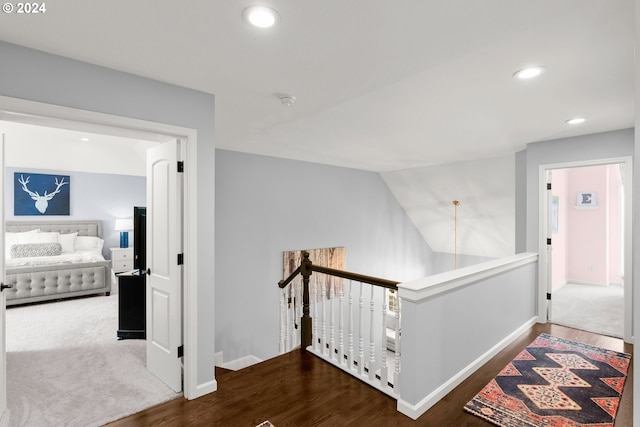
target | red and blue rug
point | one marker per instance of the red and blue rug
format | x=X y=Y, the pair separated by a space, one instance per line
x=555 y=383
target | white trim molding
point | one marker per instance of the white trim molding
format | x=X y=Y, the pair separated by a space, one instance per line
x=430 y=286
x=241 y=363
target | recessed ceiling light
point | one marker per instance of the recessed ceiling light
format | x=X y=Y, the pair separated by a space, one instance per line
x=576 y=121
x=261 y=16
x=84 y=139
x=528 y=73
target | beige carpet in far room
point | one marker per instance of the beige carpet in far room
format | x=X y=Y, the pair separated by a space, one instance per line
x=66 y=367
x=592 y=308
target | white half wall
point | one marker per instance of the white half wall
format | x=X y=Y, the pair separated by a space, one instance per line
x=454 y=322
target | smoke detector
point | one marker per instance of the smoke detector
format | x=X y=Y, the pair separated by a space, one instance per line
x=287 y=100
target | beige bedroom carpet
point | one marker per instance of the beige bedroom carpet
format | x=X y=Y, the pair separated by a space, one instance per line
x=65 y=366
x=598 y=309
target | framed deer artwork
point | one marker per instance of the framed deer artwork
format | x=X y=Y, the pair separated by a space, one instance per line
x=40 y=194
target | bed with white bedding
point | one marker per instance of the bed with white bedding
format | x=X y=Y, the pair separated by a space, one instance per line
x=54 y=260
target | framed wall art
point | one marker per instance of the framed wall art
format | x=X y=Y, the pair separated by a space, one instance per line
x=587 y=198
x=40 y=194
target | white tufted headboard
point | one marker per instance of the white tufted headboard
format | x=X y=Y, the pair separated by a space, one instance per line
x=83 y=227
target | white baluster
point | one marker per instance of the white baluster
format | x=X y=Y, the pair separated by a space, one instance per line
x=396 y=371
x=361 y=332
x=350 y=351
x=283 y=296
x=299 y=310
x=383 y=354
x=293 y=340
x=332 y=334
x=372 y=344
x=323 y=298
x=341 y=323
x=314 y=309
x=287 y=343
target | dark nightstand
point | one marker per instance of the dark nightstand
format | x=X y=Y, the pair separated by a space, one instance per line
x=132 y=305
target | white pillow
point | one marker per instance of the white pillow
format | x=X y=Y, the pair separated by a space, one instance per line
x=67 y=241
x=11 y=239
x=38 y=238
x=89 y=243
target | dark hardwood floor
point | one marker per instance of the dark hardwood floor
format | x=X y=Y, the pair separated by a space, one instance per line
x=301 y=390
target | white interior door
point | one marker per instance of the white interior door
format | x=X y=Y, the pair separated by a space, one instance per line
x=3 y=300
x=164 y=274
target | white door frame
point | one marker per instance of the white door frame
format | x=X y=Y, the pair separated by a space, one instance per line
x=3 y=296
x=23 y=111
x=544 y=263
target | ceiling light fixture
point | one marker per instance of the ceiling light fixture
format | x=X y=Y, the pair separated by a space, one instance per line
x=529 y=72
x=84 y=139
x=261 y=16
x=575 y=121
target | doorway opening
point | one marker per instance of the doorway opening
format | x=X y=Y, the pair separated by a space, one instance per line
x=19 y=111
x=585 y=214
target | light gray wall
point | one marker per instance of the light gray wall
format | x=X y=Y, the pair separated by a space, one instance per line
x=92 y=196
x=51 y=79
x=636 y=226
x=521 y=201
x=443 y=261
x=267 y=205
x=580 y=148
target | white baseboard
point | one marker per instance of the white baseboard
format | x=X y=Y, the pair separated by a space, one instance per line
x=414 y=411
x=218 y=360
x=585 y=282
x=202 y=389
x=243 y=362
x=557 y=288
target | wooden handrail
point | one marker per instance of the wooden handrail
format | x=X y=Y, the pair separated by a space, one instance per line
x=306 y=268
x=375 y=281
x=285 y=282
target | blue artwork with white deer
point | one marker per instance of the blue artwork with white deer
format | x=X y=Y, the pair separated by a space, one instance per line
x=40 y=194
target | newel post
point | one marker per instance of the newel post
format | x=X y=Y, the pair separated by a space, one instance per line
x=306 y=338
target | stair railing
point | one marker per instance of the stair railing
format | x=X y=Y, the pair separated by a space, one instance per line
x=353 y=349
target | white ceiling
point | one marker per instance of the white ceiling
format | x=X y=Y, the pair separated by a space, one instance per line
x=380 y=85
x=48 y=148
x=391 y=87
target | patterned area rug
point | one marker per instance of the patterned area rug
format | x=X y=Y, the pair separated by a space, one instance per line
x=555 y=382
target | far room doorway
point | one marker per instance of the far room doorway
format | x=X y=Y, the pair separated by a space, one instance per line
x=587 y=216
x=68 y=123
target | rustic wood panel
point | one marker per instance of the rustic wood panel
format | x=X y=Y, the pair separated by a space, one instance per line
x=326 y=257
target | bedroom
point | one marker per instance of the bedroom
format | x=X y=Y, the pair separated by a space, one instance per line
x=105 y=189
